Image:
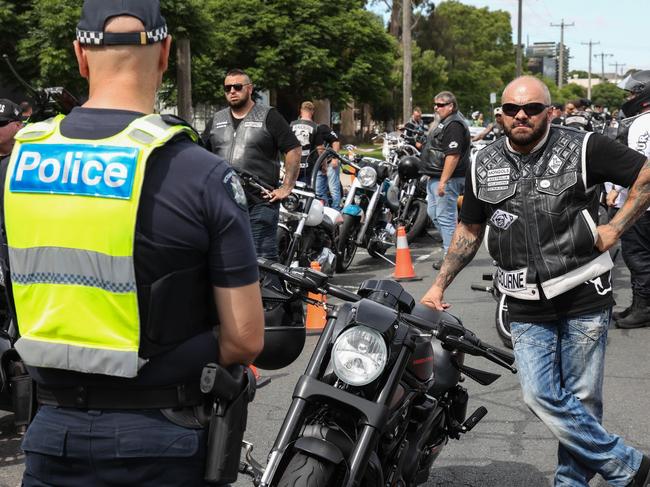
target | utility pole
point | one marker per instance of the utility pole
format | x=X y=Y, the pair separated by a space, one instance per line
x=406 y=53
x=616 y=66
x=590 y=43
x=602 y=57
x=562 y=25
x=519 y=56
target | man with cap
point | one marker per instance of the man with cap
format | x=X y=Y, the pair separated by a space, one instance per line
x=10 y=123
x=127 y=245
x=495 y=127
x=252 y=137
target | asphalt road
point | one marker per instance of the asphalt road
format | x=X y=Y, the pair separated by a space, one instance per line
x=509 y=447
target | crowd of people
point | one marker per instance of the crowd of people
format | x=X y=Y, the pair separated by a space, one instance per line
x=93 y=299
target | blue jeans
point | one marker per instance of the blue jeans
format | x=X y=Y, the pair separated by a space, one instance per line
x=82 y=448
x=264 y=226
x=442 y=209
x=561 y=367
x=331 y=182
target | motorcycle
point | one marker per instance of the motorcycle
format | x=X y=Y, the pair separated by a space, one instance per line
x=368 y=208
x=501 y=317
x=380 y=397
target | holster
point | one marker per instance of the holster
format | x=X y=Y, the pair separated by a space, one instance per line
x=230 y=390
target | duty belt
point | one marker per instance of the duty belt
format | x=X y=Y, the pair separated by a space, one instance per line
x=103 y=397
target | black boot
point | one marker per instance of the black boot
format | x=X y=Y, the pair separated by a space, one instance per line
x=638 y=317
x=617 y=315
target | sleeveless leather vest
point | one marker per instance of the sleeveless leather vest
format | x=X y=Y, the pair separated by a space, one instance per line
x=251 y=147
x=541 y=215
x=433 y=156
x=624 y=128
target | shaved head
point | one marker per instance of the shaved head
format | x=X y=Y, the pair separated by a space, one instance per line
x=528 y=88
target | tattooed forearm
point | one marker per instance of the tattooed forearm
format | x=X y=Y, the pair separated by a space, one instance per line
x=637 y=201
x=464 y=245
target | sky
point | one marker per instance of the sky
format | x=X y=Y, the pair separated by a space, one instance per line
x=621 y=27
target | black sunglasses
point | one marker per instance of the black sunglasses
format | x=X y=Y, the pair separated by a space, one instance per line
x=440 y=105
x=530 y=109
x=236 y=86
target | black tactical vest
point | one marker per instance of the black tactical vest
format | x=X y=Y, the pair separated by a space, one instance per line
x=541 y=215
x=433 y=156
x=251 y=147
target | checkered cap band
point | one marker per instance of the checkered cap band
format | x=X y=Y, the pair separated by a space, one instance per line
x=88 y=37
x=74 y=279
x=97 y=38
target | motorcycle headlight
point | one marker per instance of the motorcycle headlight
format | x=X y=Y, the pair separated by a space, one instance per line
x=291 y=203
x=367 y=176
x=359 y=355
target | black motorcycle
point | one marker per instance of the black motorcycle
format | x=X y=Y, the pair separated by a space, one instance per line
x=411 y=186
x=381 y=396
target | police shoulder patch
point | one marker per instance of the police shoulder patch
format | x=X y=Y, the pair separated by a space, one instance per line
x=234 y=189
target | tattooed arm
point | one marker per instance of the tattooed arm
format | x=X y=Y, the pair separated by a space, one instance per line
x=464 y=245
x=637 y=202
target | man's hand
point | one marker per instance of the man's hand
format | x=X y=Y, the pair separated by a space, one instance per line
x=278 y=194
x=611 y=197
x=607 y=237
x=433 y=298
x=334 y=163
x=441 y=188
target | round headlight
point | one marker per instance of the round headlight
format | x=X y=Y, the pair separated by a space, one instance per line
x=291 y=203
x=367 y=176
x=359 y=355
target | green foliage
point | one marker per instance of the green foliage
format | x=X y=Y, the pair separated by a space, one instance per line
x=429 y=74
x=572 y=91
x=608 y=95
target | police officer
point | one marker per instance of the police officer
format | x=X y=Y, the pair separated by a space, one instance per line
x=251 y=137
x=445 y=158
x=10 y=123
x=127 y=245
x=634 y=132
x=538 y=191
x=306 y=131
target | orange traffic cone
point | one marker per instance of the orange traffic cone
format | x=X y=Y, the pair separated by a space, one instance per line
x=260 y=381
x=316 y=315
x=403 y=265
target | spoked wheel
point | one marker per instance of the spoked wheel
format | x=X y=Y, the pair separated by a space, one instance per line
x=347 y=246
x=503 y=321
x=306 y=471
x=415 y=220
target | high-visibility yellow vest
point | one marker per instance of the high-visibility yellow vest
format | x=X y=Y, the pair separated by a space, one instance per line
x=70 y=216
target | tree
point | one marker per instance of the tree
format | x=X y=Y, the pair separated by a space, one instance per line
x=608 y=95
x=572 y=91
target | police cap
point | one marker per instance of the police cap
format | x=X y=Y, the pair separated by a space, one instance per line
x=9 y=111
x=95 y=14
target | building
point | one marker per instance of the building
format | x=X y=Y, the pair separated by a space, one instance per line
x=544 y=59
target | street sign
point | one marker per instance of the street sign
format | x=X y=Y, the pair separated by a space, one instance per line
x=493 y=98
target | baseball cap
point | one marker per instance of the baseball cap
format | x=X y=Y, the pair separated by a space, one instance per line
x=95 y=13
x=498 y=111
x=9 y=111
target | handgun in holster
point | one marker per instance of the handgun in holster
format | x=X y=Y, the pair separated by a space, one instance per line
x=229 y=391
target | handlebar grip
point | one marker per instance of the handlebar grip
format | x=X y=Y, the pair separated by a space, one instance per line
x=504 y=355
x=343 y=294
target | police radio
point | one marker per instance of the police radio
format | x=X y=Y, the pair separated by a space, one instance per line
x=48 y=102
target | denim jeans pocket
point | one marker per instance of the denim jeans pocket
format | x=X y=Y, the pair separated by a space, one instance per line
x=518 y=329
x=164 y=441
x=589 y=327
x=536 y=334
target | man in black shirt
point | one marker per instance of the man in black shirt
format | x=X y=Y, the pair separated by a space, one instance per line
x=110 y=414
x=306 y=131
x=330 y=180
x=537 y=190
x=251 y=138
x=445 y=158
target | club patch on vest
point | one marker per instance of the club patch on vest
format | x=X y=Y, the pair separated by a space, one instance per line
x=220 y=125
x=75 y=169
x=502 y=219
x=512 y=280
x=555 y=164
x=498 y=179
x=235 y=190
x=257 y=125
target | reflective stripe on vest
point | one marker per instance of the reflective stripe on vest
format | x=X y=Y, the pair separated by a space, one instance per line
x=70 y=215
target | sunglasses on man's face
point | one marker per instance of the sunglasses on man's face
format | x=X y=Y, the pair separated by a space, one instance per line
x=440 y=105
x=235 y=86
x=530 y=109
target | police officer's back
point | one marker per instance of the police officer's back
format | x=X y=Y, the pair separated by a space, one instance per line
x=127 y=245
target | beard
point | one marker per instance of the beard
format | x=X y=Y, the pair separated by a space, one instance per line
x=239 y=103
x=527 y=139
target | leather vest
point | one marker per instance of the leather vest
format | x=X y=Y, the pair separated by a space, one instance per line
x=251 y=147
x=541 y=215
x=433 y=156
x=624 y=128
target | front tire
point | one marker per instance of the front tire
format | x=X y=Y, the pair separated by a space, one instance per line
x=305 y=471
x=416 y=220
x=347 y=246
x=502 y=321
x=284 y=243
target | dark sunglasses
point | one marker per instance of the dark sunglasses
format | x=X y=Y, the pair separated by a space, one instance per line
x=530 y=109
x=440 y=105
x=236 y=86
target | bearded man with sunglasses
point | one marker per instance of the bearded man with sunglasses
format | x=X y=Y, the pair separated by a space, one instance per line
x=537 y=191
x=251 y=137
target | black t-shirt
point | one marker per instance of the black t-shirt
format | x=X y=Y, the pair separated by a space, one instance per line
x=325 y=135
x=455 y=141
x=184 y=205
x=306 y=131
x=606 y=161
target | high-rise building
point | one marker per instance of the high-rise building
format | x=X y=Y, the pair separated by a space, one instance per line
x=544 y=59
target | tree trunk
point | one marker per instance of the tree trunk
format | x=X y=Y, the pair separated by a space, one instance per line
x=184 y=79
x=347 y=124
x=393 y=28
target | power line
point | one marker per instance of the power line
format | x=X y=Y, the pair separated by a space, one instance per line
x=616 y=65
x=602 y=57
x=562 y=25
x=590 y=43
